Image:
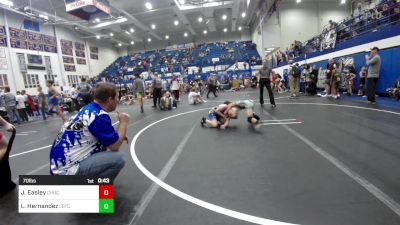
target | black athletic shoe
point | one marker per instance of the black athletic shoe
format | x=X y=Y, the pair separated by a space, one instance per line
x=154 y=106
x=203 y=121
x=273 y=106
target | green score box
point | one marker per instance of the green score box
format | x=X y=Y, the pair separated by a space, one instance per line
x=106 y=206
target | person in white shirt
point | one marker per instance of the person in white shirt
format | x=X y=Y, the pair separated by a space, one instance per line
x=175 y=87
x=195 y=97
x=21 y=107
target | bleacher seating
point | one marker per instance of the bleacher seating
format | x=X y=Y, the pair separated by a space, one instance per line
x=163 y=61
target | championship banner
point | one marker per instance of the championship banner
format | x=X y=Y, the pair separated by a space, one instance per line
x=3 y=31
x=3 y=41
x=328 y=40
x=70 y=68
x=66 y=51
x=94 y=49
x=17 y=33
x=67 y=59
x=81 y=61
x=94 y=56
x=35 y=46
x=79 y=46
x=15 y=43
x=79 y=53
x=49 y=48
x=34 y=37
x=49 y=40
x=66 y=44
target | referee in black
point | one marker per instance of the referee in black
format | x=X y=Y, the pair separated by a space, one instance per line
x=265 y=81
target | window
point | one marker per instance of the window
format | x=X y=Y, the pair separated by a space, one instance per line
x=76 y=79
x=31 y=80
x=3 y=81
x=52 y=77
x=73 y=79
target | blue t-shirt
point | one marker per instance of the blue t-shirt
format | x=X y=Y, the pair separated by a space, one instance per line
x=85 y=134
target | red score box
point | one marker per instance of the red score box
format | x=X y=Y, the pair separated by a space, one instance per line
x=106 y=192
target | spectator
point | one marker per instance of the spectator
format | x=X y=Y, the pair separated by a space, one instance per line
x=265 y=81
x=394 y=92
x=350 y=75
x=29 y=103
x=85 y=91
x=329 y=75
x=294 y=79
x=5 y=172
x=374 y=67
x=175 y=87
x=91 y=139
x=42 y=102
x=138 y=90
x=21 y=107
x=157 y=89
x=363 y=75
x=9 y=101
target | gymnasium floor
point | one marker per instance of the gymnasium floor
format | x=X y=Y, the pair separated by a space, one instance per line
x=315 y=162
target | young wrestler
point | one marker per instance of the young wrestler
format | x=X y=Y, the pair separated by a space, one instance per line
x=216 y=117
x=195 y=97
x=234 y=107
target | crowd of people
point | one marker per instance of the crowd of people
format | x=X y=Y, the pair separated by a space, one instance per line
x=368 y=16
x=180 y=60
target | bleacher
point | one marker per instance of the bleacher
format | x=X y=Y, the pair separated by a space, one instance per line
x=163 y=61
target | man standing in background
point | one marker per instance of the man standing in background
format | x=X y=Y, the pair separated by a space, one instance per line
x=9 y=101
x=265 y=81
x=157 y=88
x=374 y=67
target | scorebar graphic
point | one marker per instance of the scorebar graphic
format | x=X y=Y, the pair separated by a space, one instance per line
x=65 y=194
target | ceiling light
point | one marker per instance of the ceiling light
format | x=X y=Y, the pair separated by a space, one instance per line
x=149 y=6
x=132 y=42
x=205 y=31
x=243 y=14
x=176 y=22
x=148 y=39
x=97 y=20
x=7 y=2
x=41 y=16
x=343 y=2
x=132 y=30
x=153 y=26
x=121 y=20
x=270 y=49
x=127 y=32
x=98 y=36
x=224 y=17
x=225 y=30
x=185 y=34
x=200 y=19
x=298 y=1
x=76 y=27
x=167 y=37
x=111 y=34
x=239 y=28
x=267 y=51
x=119 y=44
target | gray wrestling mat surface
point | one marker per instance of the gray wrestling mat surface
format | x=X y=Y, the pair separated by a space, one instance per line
x=324 y=162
